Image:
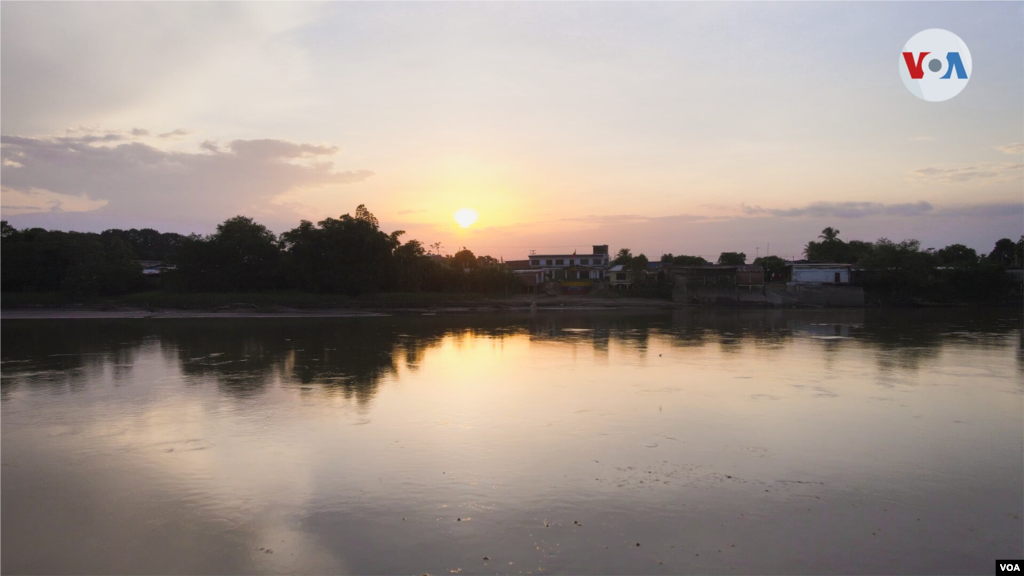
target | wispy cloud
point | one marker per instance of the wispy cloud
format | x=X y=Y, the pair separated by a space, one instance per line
x=1011 y=148
x=977 y=173
x=174 y=133
x=843 y=210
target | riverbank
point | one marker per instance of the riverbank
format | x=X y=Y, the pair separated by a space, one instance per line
x=298 y=305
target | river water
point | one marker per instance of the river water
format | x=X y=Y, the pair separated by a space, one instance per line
x=707 y=441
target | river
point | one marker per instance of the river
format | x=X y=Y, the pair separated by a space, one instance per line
x=697 y=440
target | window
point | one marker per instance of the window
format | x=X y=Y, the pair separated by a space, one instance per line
x=838 y=278
x=558 y=262
x=548 y=262
x=585 y=261
x=534 y=262
x=620 y=275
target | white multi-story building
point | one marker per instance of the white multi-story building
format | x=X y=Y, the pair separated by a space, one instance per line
x=573 y=266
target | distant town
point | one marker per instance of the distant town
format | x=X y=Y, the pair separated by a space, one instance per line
x=351 y=256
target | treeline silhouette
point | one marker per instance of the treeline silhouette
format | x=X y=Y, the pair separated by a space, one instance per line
x=348 y=255
x=351 y=255
x=903 y=270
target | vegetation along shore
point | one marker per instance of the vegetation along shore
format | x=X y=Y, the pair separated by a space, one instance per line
x=350 y=263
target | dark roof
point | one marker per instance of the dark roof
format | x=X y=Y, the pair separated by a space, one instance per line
x=517 y=264
x=532 y=256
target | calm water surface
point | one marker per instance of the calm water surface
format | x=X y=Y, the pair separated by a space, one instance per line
x=720 y=441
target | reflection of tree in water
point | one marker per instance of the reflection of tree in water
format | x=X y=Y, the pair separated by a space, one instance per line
x=731 y=328
x=352 y=356
x=596 y=328
x=905 y=338
x=64 y=356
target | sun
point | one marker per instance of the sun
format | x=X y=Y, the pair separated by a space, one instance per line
x=466 y=217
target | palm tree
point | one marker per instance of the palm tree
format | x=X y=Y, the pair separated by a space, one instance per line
x=829 y=234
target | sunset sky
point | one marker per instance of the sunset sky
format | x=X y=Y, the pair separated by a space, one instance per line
x=666 y=127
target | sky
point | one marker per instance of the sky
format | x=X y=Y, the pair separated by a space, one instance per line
x=690 y=128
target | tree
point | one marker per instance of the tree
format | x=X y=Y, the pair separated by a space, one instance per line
x=666 y=258
x=774 y=267
x=623 y=256
x=683 y=260
x=6 y=230
x=1004 y=252
x=899 y=268
x=829 y=234
x=464 y=259
x=364 y=215
x=832 y=249
x=343 y=255
x=732 y=258
x=957 y=256
x=637 y=266
x=484 y=261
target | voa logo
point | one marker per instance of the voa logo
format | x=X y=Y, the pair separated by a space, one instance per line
x=935 y=65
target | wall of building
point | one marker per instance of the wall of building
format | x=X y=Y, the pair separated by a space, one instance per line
x=821 y=275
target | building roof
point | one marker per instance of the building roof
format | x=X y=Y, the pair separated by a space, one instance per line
x=819 y=265
x=532 y=256
x=517 y=264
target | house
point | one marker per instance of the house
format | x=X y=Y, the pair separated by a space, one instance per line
x=153 y=271
x=531 y=279
x=578 y=267
x=717 y=284
x=817 y=273
x=820 y=284
x=618 y=277
x=750 y=277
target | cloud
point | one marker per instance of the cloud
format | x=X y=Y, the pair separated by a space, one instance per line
x=140 y=132
x=34 y=200
x=280 y=149
x=131 y=181
x=843 y=210
x=1012 y=148
x=996 y=209
x=174 y=133
x=979 y=173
